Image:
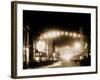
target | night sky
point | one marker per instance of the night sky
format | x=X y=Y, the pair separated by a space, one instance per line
x=40 y=21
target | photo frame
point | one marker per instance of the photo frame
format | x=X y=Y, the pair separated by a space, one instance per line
x=50 y=39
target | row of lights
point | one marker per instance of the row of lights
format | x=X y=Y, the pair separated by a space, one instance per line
x=54 y=34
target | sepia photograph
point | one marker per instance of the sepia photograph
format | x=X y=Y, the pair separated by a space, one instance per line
x=56 y=39
x=53 y=39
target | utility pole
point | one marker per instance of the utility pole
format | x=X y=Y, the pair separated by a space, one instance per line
x=26 y=45
x=81 y=39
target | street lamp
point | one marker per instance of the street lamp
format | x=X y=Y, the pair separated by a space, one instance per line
x=78 y=35
x=74 y=35
x=66 y=33
x=70 y=34
x=62 y=33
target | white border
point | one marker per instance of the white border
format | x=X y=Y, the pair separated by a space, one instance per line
x=33 y=72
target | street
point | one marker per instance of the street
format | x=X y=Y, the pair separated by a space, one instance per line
x=62 y=64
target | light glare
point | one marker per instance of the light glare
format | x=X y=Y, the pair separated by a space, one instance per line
x=77 y=46
x=66 y=33
x=62 y=33
x=37 y=59
x=70 y=34
x=78 y=35
x=41 y=46
x=74 y=35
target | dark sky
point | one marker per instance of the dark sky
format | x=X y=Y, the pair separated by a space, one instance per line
x=40 y=21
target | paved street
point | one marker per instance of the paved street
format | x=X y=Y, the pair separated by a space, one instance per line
x=62 y=64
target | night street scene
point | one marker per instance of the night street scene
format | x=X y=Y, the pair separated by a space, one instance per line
x=56 y=39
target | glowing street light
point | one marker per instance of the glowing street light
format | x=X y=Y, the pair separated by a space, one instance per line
x=37 y=59
x=66 y=33
x=71 y=34
x=74 y=35
x=78 y=35
x=62 y=33
x=55 y=34
x=51 y=34
x=58 y=33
